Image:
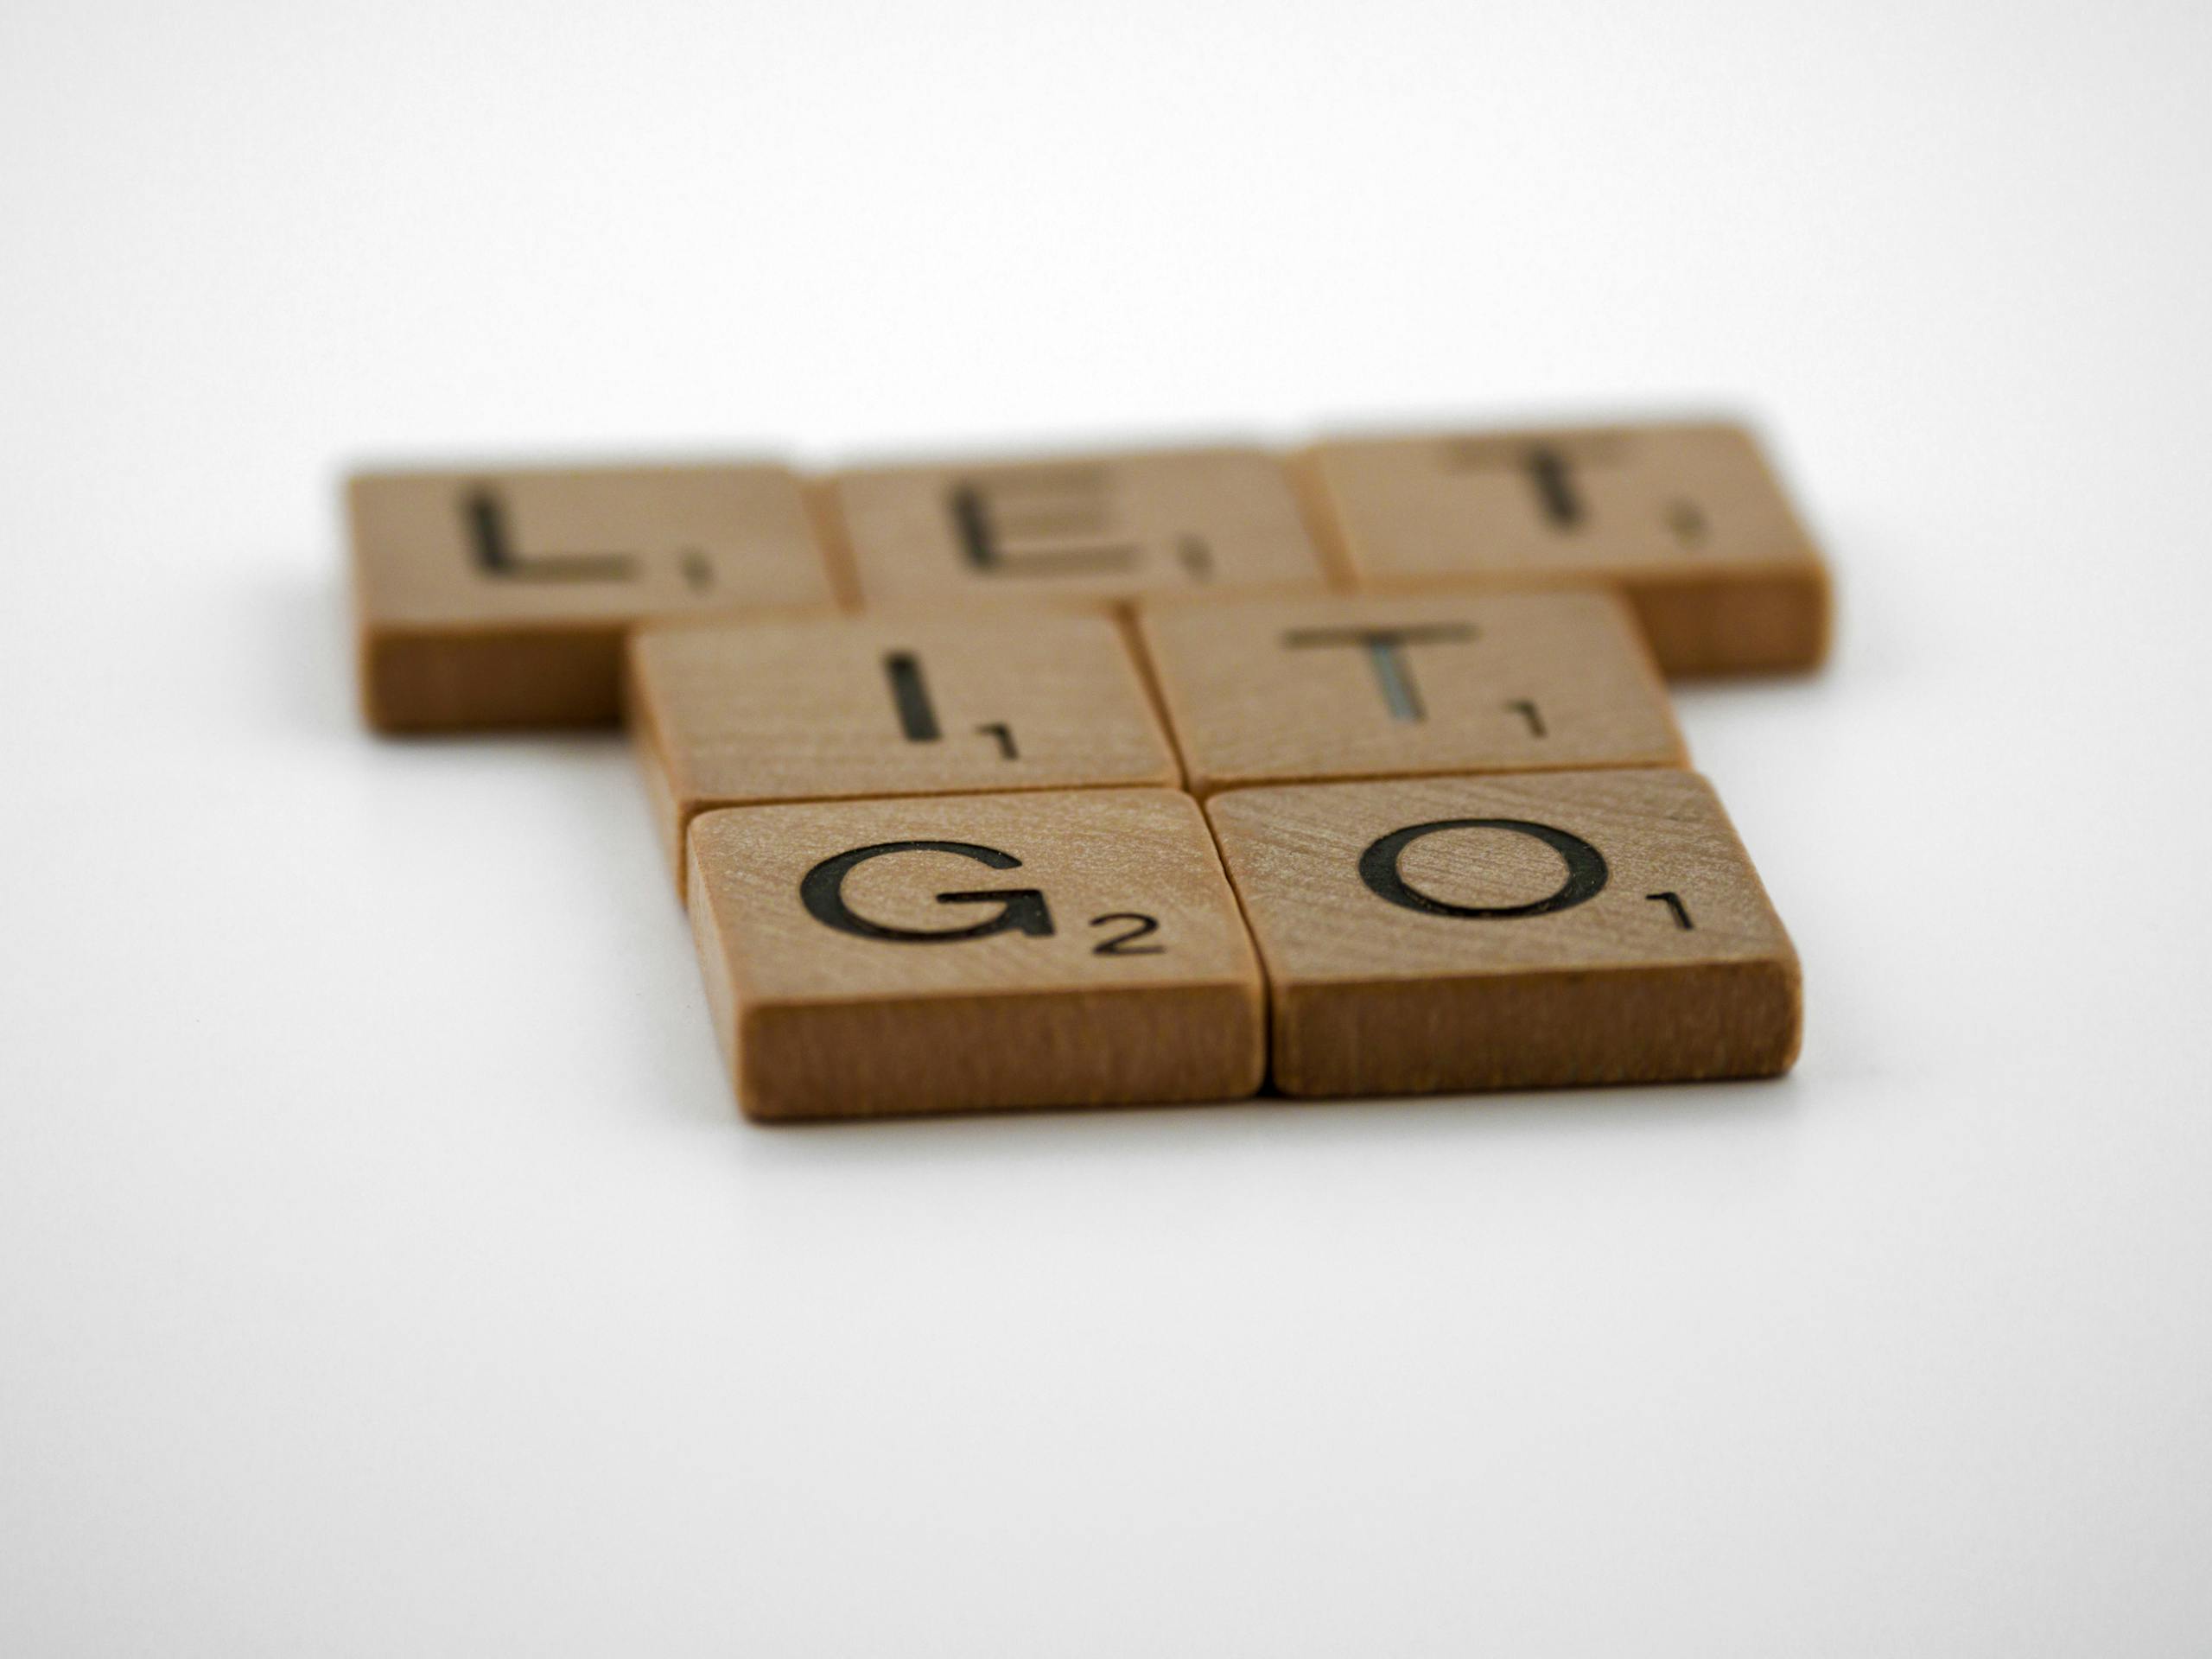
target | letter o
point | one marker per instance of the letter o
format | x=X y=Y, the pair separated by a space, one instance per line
x=1585 y=870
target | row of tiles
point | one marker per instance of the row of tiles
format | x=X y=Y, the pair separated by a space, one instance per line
x=1202 y=695
x=500 y=597
x=1131 y=946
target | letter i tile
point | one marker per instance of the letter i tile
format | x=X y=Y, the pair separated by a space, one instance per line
x=846 y=707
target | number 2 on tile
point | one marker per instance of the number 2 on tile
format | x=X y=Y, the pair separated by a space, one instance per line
x=1123 y=945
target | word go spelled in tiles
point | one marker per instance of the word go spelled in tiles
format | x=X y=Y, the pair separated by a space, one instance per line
x=1152 y=778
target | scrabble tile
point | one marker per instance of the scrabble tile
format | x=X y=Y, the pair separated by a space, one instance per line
x=1288 y=689
x=1095 y=531
x=1509 y=932
x=500 y=598
x=865 y=958
x=732 y=715
x=1687 y=518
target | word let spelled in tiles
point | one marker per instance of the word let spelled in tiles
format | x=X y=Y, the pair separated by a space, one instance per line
x=1152 y=778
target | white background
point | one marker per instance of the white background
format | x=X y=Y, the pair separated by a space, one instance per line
x=383 y=1267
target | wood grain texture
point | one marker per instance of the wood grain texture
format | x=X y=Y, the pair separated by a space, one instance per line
x=1060 y=996
x=1599 y=980
x=1687 y=518
x=1089 y=530
x=844 y=707
x=499 y=598
x=1290 y=689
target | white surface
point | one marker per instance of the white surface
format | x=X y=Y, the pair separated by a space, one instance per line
x=383 y=1269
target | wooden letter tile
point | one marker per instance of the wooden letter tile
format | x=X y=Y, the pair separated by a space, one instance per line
x=1509 y=932
x=835 y=708
x=1095 y=529
x=866 y=958
x=1286 y=690
x=1687 y=518
x=499 y=599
